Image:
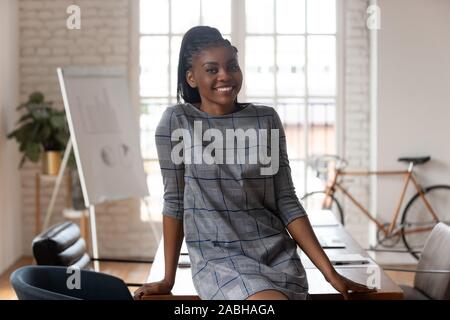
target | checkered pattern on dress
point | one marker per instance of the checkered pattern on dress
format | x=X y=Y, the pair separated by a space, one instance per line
x=234 y=218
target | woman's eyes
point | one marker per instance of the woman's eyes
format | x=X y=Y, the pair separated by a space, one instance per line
x=215 y=70
x=212 y=71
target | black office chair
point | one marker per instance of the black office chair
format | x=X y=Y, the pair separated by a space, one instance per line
x=432 y=279
x=61 y=245
x=51 y=283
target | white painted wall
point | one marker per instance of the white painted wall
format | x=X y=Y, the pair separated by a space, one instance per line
x=10 y=213
x=414 y=92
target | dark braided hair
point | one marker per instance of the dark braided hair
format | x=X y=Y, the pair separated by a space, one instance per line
x=195 y=40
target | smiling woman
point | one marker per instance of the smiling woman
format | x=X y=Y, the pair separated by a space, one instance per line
x=295 y=73
x=209 y=69
x=233 y=216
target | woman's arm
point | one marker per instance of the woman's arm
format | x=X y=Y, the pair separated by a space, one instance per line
x=296 y=221
x=303 y=233
x=173 y=239
x=173 y=209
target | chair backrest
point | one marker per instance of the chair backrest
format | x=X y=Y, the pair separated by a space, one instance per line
x=435 y=256
x=61 y=245
x=52 y=283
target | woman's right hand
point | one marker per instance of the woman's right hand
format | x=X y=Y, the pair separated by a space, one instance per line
x=346 y=286
x=159 y=287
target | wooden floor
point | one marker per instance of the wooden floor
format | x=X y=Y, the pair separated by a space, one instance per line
x=129 y=272
x=138 y=272
x=406 y=278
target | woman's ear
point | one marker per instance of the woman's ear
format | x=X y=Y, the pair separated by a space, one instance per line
x=190 y=79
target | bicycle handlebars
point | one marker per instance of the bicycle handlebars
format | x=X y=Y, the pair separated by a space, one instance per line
x=321 y=164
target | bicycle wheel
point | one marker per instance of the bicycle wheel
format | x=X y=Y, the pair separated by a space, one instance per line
x=314 y=201
x=416 y=215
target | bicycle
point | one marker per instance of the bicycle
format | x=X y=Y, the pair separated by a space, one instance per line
x=427 y=207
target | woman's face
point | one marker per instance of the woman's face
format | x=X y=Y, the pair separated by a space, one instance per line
x=216 y=73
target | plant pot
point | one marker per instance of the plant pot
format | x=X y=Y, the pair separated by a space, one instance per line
x=51 y=162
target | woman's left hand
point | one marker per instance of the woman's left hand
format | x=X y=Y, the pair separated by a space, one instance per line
x=346 y=286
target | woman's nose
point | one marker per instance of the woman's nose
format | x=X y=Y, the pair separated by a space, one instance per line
x=223 y=75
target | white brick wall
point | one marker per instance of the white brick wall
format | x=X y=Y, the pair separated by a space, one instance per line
x=46 y=43
x=357 y=112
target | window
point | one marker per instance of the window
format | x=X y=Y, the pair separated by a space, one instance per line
x=287 y=49
x=162 y=26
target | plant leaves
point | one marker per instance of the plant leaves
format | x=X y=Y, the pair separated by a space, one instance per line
x=24 y=117
x=40 y=114
x=13 y=134
x=33 y=151
x=31 y=131
x=23 y=133
x=36 y=97
x=21 y=106
x=62 y=137
x=58 y=121
x=30 y=106
x=40 y=128
x=44 y=133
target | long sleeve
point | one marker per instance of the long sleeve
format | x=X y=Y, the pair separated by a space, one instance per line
x=288 y=205
x=172 y=173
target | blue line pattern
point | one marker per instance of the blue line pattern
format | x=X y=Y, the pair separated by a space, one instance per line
x=234 y=218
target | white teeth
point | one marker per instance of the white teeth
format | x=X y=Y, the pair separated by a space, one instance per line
x=224 y=89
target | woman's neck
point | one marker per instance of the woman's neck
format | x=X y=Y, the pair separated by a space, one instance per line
x=215 y=109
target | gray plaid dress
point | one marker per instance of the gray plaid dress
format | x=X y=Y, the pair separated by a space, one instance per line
x=234 y=218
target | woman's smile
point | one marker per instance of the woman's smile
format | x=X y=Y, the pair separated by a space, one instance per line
x=225 y=89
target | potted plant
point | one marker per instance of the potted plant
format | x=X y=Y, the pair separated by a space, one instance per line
x=41 y=132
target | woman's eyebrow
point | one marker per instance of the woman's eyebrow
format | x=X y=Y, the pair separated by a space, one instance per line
x=210 y=62
x=216 y=63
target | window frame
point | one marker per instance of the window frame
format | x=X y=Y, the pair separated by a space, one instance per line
x=238 y=36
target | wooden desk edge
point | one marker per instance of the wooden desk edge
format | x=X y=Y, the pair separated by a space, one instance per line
x=357 y=296
x=394 y=292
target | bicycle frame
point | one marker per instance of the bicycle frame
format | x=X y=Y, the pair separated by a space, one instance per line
x=334 y=184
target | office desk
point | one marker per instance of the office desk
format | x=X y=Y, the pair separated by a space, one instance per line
x=319 y=288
